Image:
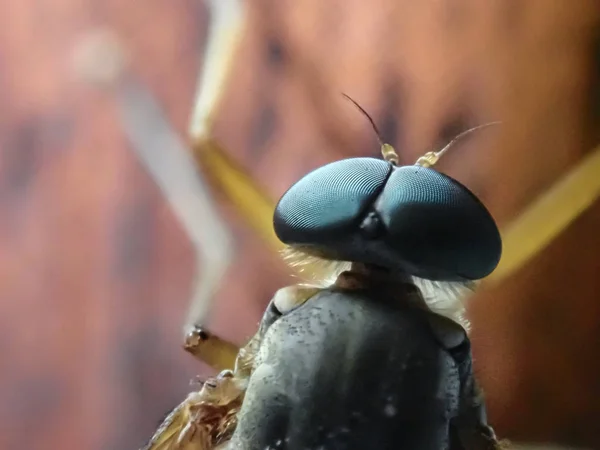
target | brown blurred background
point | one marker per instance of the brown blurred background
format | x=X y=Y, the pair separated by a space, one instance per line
x=95 y=270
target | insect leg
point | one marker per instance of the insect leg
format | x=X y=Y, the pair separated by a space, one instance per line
x=174 y=170
x=210 y=348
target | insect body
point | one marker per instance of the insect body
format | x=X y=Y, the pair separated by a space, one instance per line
x=363 y=364
x=207 y=419
x=366 y=363
x=367 y=360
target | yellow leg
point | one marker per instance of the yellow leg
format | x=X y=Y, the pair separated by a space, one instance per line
x=211 y=349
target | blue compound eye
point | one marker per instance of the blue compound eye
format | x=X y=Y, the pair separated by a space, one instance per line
x=437 y=226
x=410 y=218
x=327 y=204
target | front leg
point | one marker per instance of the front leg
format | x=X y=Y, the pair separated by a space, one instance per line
x=210 y=348
x=221 y=354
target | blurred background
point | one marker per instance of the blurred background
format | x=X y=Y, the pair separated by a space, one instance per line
x=96 y=270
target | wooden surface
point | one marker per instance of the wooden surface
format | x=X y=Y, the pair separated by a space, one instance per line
x=95 y=271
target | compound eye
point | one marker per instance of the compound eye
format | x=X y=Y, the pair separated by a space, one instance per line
x=326 y=204
x=439 y=228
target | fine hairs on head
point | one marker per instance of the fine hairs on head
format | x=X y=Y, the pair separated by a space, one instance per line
x=442 y=297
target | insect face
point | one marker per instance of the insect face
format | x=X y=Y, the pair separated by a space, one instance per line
x=410 y=218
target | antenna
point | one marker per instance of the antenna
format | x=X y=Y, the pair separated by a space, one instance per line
x=388 y=152
x=431 y=158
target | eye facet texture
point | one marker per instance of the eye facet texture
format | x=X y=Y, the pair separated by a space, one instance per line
x=438 y=226
x=432 y=226
x=329 y=200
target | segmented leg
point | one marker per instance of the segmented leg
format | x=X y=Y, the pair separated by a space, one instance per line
x=207 y=419
x=210 y=348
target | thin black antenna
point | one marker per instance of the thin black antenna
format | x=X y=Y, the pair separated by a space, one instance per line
x=366 y=114
x=388 y=152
